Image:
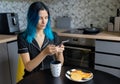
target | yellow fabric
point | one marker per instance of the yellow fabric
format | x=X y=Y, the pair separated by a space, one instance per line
x=20 y=70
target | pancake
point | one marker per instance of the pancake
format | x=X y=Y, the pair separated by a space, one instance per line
x=86 y=75
x=79 y=75
x=75 y=75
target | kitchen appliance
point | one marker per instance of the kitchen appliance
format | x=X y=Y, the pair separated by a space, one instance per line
x=83 y=31
x=79 y=51
x=9 y=23
x=91 y=30
x=63 y=22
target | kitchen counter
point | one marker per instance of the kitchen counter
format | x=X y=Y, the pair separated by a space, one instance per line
x=104 y=35
x=7 y=38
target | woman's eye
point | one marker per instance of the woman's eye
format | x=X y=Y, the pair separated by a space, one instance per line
x=46 y=17
x=43 y=17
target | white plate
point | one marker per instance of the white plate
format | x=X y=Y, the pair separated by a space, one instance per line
x=67 y=74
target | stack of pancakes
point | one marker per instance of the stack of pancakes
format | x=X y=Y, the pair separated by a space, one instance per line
x=79 y=75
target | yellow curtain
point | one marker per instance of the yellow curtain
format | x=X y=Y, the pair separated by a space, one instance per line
x=20 y=70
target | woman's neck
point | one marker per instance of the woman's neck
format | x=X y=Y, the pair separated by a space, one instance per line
x=40 y=36
x=40 y=33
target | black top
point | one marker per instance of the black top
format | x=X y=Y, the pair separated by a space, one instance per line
x=34 y=49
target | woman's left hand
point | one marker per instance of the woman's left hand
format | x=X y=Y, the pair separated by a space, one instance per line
x=59 y=53
x=60 y=48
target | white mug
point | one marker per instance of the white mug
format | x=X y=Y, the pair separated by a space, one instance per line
x=55 y=67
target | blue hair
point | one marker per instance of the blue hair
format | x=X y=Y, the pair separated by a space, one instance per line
x=32 y=21
x=48 y=31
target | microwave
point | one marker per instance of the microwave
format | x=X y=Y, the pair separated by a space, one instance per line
x=9 y=23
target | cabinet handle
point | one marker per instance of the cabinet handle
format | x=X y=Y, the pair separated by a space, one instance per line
x=84 y=49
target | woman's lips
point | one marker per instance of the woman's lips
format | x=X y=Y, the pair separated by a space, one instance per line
x=42 y=25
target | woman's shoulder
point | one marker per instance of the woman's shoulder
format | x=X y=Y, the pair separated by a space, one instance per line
x=55 y=34
x=56 y=38
x=20 y=36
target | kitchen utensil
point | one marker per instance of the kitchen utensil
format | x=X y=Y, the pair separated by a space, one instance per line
x=92 y=30
x=9 y=23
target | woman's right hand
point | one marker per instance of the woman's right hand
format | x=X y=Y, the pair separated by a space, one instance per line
x=50 y=50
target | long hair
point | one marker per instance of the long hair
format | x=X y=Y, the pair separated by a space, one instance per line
x=32 y=21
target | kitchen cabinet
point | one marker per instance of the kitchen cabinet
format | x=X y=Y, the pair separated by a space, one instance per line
x=4 y=65
x=8 y=62
x=107 y=56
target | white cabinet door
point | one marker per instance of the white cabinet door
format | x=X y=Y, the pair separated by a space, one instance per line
x=4 y=65
x=13 y=59
x=106 y=59
x=107 y=46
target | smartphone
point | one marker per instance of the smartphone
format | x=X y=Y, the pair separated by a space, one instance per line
x=62 y=42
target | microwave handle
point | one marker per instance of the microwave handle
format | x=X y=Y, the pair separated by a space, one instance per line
x=84 y=49
x=14 y=22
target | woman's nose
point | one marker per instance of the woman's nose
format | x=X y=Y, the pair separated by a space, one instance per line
x=43 y=20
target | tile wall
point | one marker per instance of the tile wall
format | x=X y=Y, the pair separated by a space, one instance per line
x=82 y=12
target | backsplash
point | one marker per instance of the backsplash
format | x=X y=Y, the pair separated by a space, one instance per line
x=82 y=12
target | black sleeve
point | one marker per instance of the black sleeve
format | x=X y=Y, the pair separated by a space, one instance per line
x=22 y=45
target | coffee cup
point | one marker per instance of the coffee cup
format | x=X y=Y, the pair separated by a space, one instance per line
x=55 y=67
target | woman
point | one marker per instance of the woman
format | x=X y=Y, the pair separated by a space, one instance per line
x=38 y=45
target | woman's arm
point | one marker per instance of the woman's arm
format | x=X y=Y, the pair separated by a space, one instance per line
x=32 y=64
x=59 y=55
